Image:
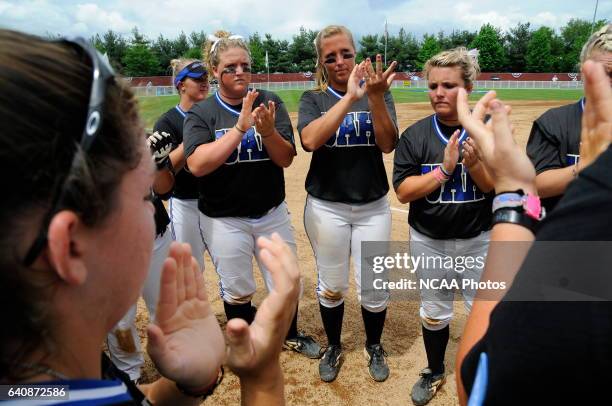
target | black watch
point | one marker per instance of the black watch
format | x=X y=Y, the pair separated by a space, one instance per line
x=514 y=216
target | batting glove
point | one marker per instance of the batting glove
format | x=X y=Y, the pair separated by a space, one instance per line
x=160 y=145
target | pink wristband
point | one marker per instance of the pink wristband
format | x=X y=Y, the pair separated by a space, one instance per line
x=439 y=175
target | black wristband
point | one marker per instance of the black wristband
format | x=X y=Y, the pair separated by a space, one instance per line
x=512 y=216
x=448 y=175
x=206 y=392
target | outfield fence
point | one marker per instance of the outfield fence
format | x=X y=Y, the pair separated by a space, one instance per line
x=409 y=85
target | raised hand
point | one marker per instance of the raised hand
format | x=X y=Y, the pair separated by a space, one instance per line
x=451 y=153
x=470 y=153
x=245 y=120
x=506 y=162
x=355 y=88
x=185 y=343
x=254 y=350
x=378 y=82
x=597 y=116
x=264 y=118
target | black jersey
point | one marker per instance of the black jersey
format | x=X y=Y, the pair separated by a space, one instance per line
x=554 y=141
x=458 y=209
x=185 y=184
x=249 y=183
x=349 y=167
x=161 y=216
x=540 y=341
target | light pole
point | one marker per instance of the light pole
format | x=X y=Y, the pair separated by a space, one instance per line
x=594 y=15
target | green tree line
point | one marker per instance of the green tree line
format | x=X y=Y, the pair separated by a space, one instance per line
x=519 y=49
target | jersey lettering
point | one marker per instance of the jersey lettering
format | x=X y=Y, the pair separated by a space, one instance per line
x=356 y=130
x=460 y=188
x=250 y=149
x=572 y=159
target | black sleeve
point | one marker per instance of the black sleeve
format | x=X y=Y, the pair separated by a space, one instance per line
x=553 y=334
x=406 y=161
x=308 y=110
x=391 y=107
x=543 y=148
x=164 y=125
x=196 y=131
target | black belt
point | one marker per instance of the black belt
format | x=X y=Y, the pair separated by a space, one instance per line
x=260 y=215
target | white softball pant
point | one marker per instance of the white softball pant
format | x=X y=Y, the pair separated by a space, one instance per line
x=436 y=308
x=185 y=226
x=123 y=341
x=336 y=231
x=231 y=243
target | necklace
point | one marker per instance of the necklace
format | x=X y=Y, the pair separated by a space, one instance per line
x=43 y=369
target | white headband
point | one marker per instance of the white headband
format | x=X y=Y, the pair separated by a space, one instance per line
x=474 y=53
x=215 y=40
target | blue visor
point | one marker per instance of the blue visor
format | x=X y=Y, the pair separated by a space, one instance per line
x=194 y=70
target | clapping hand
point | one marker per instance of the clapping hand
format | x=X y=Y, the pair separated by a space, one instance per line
x=597 y=116
x=245 y=120
x=264 y=118
x=254 y=349
x=506 y=162
x=185 y=343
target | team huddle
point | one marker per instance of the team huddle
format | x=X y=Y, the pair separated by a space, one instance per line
x=227 y=152
x=88 y=232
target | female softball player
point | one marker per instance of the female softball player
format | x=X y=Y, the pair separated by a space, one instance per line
x=124 y=341
x=238 y=142
x=554 y=142
x=347 y=123
x=191 y=81
x=450 y=205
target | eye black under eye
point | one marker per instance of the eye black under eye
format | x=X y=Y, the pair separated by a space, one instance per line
x=232 y=69
x=345 y=55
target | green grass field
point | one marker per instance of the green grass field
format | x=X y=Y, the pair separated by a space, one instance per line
x=153 y=107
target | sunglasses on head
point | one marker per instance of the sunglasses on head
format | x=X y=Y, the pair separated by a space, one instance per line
x=102 y=73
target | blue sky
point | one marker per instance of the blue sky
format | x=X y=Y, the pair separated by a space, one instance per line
x=283 y=18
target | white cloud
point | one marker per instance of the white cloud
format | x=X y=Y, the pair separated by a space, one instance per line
x=281 y=19
x=34 y=16
x=98 y=19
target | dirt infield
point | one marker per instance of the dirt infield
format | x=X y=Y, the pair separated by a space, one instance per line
x=402 y=335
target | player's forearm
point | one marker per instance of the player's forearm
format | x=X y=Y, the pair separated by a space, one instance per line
x=268 y=389
x=208 y=157
x=164 y=182
x=280 y=150
x=318 y=131
x=384 y=128
x=481 y=177
x=553 y=182
x=507 y=250
x=416 y=187
x=164 y=392
x=177 y=156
